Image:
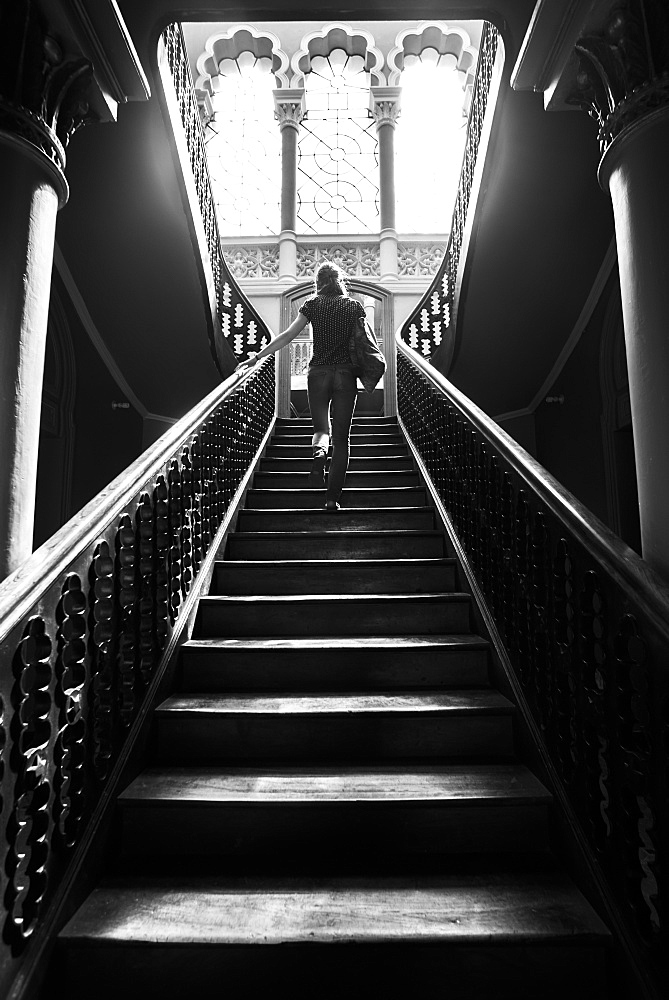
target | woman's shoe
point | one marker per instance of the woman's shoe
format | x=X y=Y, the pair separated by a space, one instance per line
x=316 y=477
x=332 y=506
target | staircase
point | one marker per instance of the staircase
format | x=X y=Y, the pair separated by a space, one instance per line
x=332 y=806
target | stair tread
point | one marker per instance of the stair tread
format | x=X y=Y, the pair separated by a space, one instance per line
x=370 y=642
x=336 y=599
x=322 y=512
x=478 y=701
x=360 y=563
x=221 y=910
x=475 y=784
x=365 y=533
x=372 y=491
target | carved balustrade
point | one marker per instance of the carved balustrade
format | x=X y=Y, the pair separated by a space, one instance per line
x=87 y=624
x=426 y=327
x=241 y=325
x=585 y=624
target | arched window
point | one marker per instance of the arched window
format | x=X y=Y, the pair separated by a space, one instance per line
x=426 y=185
x=244 y=148
x=338 y=186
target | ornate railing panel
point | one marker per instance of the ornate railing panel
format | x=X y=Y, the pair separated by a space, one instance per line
x=240 y=323
x=586 y=627
x=84 y=625
x=425 y=328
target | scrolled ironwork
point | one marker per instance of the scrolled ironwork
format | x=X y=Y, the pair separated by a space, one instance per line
x=240 y=323
x=425 y=328
x=84 y=625
x=586 y=627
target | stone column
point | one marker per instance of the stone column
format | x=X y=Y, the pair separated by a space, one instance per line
x=616 y=68
x=32 y=189
x=634 y=169
x=289 y=110
x=385 y=109
x=48 y=89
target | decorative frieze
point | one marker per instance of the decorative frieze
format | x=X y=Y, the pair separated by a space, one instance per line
x=417 y=260
x=252 y=262
x=359 y=260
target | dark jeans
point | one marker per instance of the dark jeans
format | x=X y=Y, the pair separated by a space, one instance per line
x=332 y=397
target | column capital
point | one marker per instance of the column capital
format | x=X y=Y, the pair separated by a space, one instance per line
x=290 y=108
x=384 y=105
x=72 y=72
x=608 y=58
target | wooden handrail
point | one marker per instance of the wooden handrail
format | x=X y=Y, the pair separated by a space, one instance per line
x=23 y=588
x=624 y=566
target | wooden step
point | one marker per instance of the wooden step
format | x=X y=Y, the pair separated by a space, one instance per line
x=357 y=463
x=513 y=935
x=376 y=450
x=369 y=663
x=342 y=810
x=296 y=497
x=348 y=519
x=334 y=576
x=218 y=728
x=291 y=425
x=330 y=614
x=335 y=545
x=361 y=437
x=354 y=480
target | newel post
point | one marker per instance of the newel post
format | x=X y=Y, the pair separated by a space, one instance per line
x=614 y=64
x=48 y=89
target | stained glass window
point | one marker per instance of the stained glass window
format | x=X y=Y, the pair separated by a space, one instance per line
x=338 y=170
x=432 y=121
x=244 y=148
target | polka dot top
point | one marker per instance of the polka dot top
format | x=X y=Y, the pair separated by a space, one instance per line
x=331 y=317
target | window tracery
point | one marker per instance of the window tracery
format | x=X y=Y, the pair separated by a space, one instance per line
x=435 y=66
x=244 y=148
x=336 y=68
x=338 y=187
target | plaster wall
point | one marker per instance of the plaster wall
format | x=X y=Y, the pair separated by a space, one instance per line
x=571 y=435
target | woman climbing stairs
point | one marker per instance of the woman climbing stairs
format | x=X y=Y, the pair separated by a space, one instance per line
x=332 y=806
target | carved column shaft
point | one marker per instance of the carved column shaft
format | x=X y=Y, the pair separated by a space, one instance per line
x=46 y=106
x=289 y=111
x=28 y=205
x=635 y=170
x=623 y=83
x=385 y=108
x=48 y=89
x=613 y=62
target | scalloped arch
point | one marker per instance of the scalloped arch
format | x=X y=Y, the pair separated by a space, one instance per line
x=230 y=44
x=438 y=35
x=354 y=41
